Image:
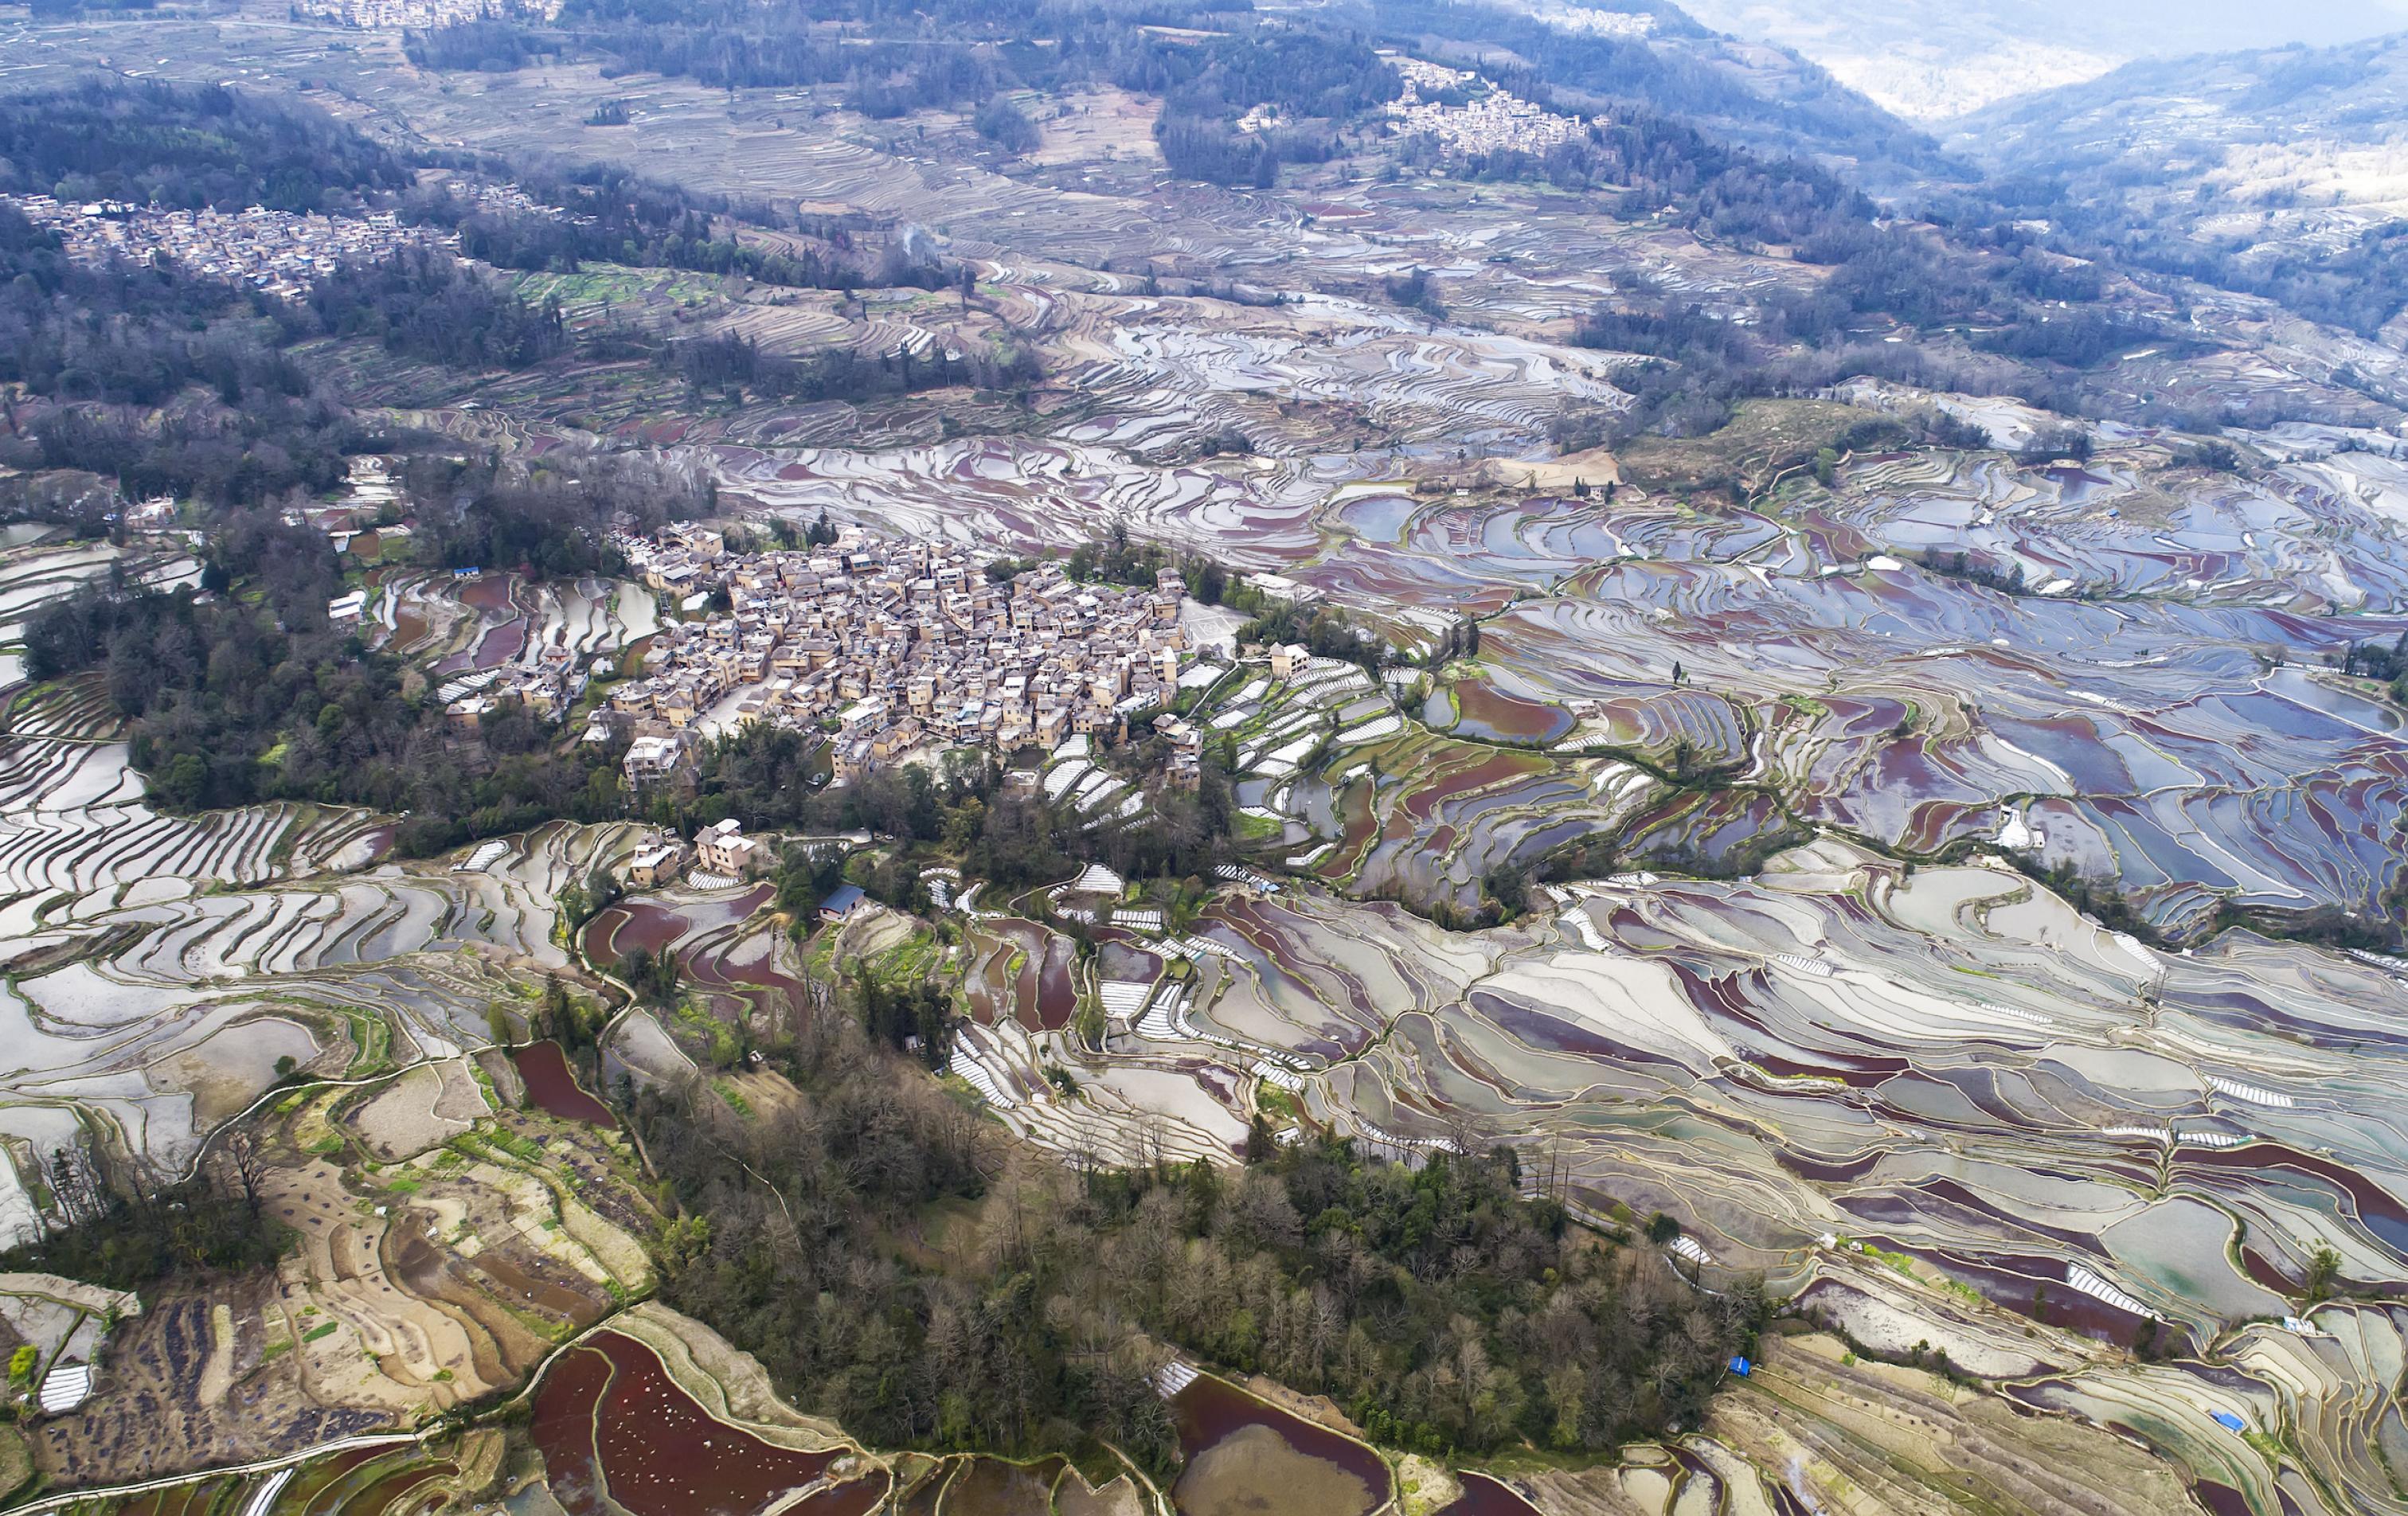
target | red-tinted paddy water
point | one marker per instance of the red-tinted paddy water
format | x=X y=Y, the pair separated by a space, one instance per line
x=1212 y=1412
x=554 y=1087
x=1481 y=709
x=609 y=1418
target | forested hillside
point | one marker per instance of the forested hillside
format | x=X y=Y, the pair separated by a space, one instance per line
x=2269 y=172
x=1445 y=1313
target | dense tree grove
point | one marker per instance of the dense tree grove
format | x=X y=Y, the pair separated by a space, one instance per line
x=239 y=698
x=1705 y=364
x=1006 y=126
x=132 y=1237
x=426 y=305
x=1325 y=631
x=1443 y=1310
x=482 y=44
x=654 y=977
x=1014 y=837
x=2376 y=661
x=737 y=363
x=1312 y=74
x=149 y=142
x=600 y=212
x=916 y=1017
x=545 y=515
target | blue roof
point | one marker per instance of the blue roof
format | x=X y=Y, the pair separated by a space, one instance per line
x=2227 y=1421
x=1739 y=1367
x=842 y=901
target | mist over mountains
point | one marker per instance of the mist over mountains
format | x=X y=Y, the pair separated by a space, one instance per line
x=1932 y=61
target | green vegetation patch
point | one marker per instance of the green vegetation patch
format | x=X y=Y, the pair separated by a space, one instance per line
x=1762 y=438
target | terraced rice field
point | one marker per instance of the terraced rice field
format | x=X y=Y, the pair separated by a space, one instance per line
x=995 y=490
x=148 y=1011
x=444 y=1247
x=1940 y=1108
x=552 y=1084
x=1883 y=1088
x=1243 y=1454
x=1929 y=1100
x=1485 y=1496
x=162 y=973
x=618 y=1432
x=1021 y=971
x=729 y=953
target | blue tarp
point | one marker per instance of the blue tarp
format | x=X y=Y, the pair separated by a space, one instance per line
x=2230 y=1423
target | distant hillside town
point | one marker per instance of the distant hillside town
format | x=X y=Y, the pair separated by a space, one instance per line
x=1470 y=117
x=394 y=15
x=280 y=252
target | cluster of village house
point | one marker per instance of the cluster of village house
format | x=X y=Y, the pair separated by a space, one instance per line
x=892 y=649
x=720 y=851
x=280 y=252
x=275 y=250
x=385 y=15
x=1497 y=120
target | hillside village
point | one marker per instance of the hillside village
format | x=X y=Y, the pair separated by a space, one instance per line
x=280 y=252
x=393 y=15
x=1491 y=119
x=895 y=648
x=275 y=250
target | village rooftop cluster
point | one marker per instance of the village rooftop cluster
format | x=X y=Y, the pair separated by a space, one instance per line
x=1493 y=121
x=393 y=15
x=893 y=649
x=275 y=250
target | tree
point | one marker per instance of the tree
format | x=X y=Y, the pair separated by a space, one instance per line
x=2324 y=1273
x=653 y=977
x=1006 y=126
x=1506 y=886
x=243 y=1168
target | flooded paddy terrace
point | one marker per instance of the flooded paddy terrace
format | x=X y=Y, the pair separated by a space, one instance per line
x=2155 y=738
x=1242 y=1454
x=730 y=954
x=1936 y=1103
x=148 y=1010
x=1873 y=1082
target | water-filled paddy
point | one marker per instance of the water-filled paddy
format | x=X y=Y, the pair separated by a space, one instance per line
x=1478 y=708
x=1485 y=1496
x=553 y=1088
x=1244 y=1455
x=611 y=1424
